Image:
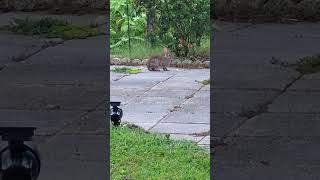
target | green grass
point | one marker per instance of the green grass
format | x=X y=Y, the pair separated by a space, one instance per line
x=204 y=82
x=141 y=51
x=204 y=49
x=126 y=70
x=309 y=64
x=51 y=28
x=138 y=51
x=137 y=155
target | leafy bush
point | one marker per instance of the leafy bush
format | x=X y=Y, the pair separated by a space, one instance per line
x=119 y=23
x=176 y=24
x=182 y=24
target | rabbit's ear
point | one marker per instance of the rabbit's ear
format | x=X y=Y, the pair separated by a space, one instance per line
x=165 y=50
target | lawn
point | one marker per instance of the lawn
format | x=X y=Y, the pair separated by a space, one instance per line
x=140 y=50
x=137 y=155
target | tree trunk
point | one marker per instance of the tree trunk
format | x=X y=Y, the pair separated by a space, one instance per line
x=151 y=14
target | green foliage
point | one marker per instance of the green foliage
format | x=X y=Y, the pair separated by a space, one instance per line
x=51 y=28
x=119 y=23
x=126 y=70
x=183 y=24
x=309 y=64
x=135 y=154
x=176 y=24
x=139 y=51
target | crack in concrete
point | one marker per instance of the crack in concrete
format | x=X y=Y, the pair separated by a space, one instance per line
x=181 y=105
x=2 y=67
x=121 y=77
x=139 y=95
x=61 y=131
x=263 y=108
x=24 y=56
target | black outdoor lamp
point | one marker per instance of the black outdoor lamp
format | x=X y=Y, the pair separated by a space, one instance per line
x=18 y=161
x=115 y=113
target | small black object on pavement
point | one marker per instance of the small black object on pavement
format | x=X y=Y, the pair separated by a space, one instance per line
x=19 y=161
x=115 y=113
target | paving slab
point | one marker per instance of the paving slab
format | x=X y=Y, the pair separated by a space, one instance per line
x=161 y=100
x=178 y=117
x=75 y=147
x=282 y=139
x=61 y=90
x=223 y=123
x=169 y=93
x=154 y=108
x=84 y=170
x=306 y=85
x=176 y=128
x=205 y=141
x=281 y=124
x=314 y=76
x=253 y=76
x=37 y=96
x=186 y=137
x=14 y=47
x=259 y=172
x=74 y=52
x=53 y=74
x=48 y=123
x=132 y=116
x=296 y=102
x=88 y=124
x=237 y=101
x=156 y=99
x=126 y=92
x=174 y=84
x=275 y=151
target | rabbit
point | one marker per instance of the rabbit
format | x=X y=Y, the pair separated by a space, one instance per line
x=163 y=61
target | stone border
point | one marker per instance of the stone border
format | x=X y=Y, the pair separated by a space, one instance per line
x=179 y=63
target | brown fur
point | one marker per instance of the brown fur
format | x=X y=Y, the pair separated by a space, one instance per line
x=163 y=61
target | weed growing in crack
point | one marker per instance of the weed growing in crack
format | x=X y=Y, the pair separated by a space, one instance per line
x=309 y=64
x=126 y=70
x=204 y=82
x=51 y=28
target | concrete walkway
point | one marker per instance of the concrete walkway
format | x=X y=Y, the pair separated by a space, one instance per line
x=167 y=102
x=266 y=118
x=61 y=90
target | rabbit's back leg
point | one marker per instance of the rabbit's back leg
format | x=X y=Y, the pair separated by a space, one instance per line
x=165 y=68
